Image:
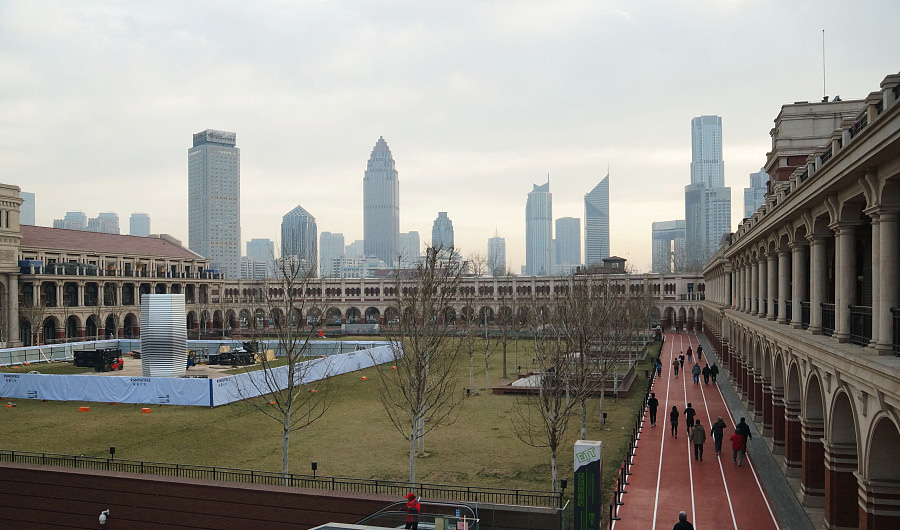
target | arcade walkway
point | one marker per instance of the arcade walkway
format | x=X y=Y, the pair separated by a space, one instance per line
x=715 y=493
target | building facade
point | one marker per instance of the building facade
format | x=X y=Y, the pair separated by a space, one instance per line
x=668 y=249
x=139 y=225
x=72 y=221
x=567 y=245
x=596 y=224
x=299 y=236
x=381 y=205
x=802 y=302
x=539 y=231
x=442 y=232
x=707 y=202
x=496 y=253
x=27 y=208
x=214 y=199
x=755 y=195
x=410 y=248
x=331 y=246
x=105 y=223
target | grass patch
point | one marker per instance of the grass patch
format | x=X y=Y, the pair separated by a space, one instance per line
x=354 y=438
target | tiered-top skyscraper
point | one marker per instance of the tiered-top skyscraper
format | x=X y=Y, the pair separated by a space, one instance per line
x=539 y=231
x=214 y=200
x=497 y=255
x=596 y=224
x=381 y=205
x=442 y=232
x=299 y=236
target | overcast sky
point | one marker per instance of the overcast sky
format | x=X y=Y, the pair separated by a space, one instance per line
x=477 y=101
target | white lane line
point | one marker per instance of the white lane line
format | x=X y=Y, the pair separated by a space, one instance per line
x=719 y=457
x=663 y=444
x=752 y=469
x=690 y=464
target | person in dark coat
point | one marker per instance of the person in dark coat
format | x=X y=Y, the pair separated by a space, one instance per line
x=413 y=508
x=673 y=418
x=698 y=438
x=681 y=360
x=744 y=430
x=714 y=372
x=718 y=432
x=690 y=354
x=699 y=353
x=689 y=414
x=695 y=371
x=658 y=368
x=675 y=366
x=706 y=374
x=683 y=523
x=652 y=404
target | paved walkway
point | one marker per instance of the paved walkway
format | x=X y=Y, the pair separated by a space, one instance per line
x=715 y=493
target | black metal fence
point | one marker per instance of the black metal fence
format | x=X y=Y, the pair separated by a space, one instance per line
x=895 y=314
x=788 y=310
x=269 y=478
x=804 y=314
x=828 y=319
x=860 y=324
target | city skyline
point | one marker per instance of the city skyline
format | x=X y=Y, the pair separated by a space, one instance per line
x=472 y=121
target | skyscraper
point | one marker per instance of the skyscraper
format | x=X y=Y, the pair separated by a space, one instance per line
x=707 y=202
x=72 y=221
x=331 y=246
x=259 y=251
x=567 y=245
x=755 y=195
x=668 y=246
x=299 y=236
x=381 y=205
x=539 y=231
x=214 y=200
x=410 y=246
x=497 y=256
x=139 y=224
x=442 y=232
x=105 y=223
x=596 y=224
x=355 y=250
x=26 y=211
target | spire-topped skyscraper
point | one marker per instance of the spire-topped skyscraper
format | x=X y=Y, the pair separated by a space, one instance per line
x=381 y=205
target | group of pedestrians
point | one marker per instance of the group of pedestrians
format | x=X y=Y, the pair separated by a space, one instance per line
x=708 y=372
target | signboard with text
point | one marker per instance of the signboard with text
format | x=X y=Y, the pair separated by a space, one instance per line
x=588 y=481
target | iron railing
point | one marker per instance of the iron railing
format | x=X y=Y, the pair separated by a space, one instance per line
x=788 y=310
x=895 y=313
x=804 y=315
x=860 y=324
x=828 y=319
x=270 y=478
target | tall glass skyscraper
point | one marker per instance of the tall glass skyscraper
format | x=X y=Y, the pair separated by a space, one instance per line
x=331 y=246
x=755 y=195
x=707 y=202
x=497 y=256
x=707 y=165
x=442 y=232
x=539 y=231
x=214 y=200
x=139 y=224
x=299 y=236
x=567 y=245
x=381 y=205
x=410 y=247
x=596 y=224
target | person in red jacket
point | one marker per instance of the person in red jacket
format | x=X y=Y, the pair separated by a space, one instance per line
x=412 y=509
x=737 y=447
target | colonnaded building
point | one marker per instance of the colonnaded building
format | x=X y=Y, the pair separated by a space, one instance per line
x=802 y=302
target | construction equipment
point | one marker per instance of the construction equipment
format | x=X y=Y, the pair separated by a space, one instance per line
x=104 y=360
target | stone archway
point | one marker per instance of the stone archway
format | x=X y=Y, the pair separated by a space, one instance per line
x=879 y=489
x=841 y=465
x=793 y=431
x=812 y=478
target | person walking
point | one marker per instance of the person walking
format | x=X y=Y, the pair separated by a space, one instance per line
x=689 y=414
x=652 y=404
x=413 y=508
x=718 y=432
x=675 y=367
x=706 y=374
x=699 y=353
x=698 y=438
x=714 y=372
x=737 y=448
x=690 y=354
x=744 y=430
x=658 y=367
x=695 y=371
x=673 y=418
x=681 y=360
x=682 y=523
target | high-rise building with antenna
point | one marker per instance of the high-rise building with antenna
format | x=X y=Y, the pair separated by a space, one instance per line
x=381 y=205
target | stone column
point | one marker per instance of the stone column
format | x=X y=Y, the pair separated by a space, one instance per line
x=888 y=269
x=12 y=305
x=784 y=277
x=878 y=500
x=793 y=439
x=756 y=379
x=777 y=421
x=767 y=409
x=841 y=507
x=812 y=480
x=799 y=284
x=754 y=287
x=763 y=284
x=817 y=281
x=728 y=301
x=771 y=288
x=844 y=278
x=876 y=277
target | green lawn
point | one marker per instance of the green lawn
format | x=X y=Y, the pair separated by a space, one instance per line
x=353 y=439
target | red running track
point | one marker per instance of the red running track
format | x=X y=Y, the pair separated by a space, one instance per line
x=665 y=479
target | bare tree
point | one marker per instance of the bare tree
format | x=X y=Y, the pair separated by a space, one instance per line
x=292 y=398
x=542 y=419
x=421 y=392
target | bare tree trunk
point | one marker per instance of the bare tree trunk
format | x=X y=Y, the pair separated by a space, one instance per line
x=554 y=468
x=285 y=443
x=472 y=370
x=420 y=434
x=413 y=435
x=583 y=419
x=504 y=360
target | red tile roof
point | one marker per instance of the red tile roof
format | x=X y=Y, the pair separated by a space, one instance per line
x=45 y=238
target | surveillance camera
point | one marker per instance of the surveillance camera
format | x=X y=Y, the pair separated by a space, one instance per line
x=103 y=515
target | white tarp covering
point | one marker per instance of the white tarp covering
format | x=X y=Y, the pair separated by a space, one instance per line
x=178 y=391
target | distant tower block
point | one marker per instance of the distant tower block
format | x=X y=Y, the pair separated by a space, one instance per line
x=163 y=335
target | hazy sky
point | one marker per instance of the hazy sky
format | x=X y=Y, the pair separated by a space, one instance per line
x=477 y=101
